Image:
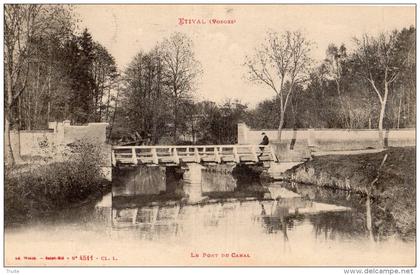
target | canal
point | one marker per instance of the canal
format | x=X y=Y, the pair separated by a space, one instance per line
x=249 y=223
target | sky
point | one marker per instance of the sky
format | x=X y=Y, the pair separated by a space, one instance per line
x=221 y=48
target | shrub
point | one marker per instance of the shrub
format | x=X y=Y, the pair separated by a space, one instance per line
x=53 y=186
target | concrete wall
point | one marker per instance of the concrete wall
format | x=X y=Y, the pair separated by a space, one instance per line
x=94 y=132
x=45 y=143
x=297 y=144
x=35 y=143
x=49 y=143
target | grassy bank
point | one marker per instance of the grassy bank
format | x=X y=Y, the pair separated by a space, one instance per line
x=37 y=190
x=394 y=192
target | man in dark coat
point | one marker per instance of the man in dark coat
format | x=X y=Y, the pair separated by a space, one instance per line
x=264 y=141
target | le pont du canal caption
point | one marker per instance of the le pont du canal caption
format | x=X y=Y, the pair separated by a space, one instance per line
x=198 y=21
x=219 y=255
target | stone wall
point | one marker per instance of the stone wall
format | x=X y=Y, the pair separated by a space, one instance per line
x=49 y=143
x=297 y=144
x=32 y=143
x=44 y=143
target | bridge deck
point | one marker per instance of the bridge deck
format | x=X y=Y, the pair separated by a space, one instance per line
x=174 y=155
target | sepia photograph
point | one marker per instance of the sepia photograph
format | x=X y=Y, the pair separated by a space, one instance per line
x=210 y=135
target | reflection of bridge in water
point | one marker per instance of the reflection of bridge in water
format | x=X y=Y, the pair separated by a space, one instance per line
x=173 y=218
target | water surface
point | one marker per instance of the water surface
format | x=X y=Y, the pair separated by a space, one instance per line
x=295 y=225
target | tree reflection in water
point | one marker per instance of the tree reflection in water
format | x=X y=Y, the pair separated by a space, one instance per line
x=332 y=224
x=351 y=223
x=279 y=219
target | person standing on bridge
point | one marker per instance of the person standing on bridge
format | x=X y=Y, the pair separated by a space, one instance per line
x=264 y=141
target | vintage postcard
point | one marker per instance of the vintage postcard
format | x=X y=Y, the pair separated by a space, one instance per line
x=210 y=135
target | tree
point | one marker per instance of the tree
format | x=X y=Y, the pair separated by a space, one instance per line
x=45 y=82
x=105 y=75
x=166 y=74
x=403 y=101
x=265 y=115
x=217 y=124
x=377 y=62
x=208 y=124
x=283 y=58
x=145 y=95
x=181 y=70
x=50 y=72
x=19 y=27
x=336 y=68
x=25 y=27
x=91 y=79
x=81 y=58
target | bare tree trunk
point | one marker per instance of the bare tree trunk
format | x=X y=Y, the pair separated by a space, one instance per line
x=280 y=125
x=49 y=95
x=176 y=120
x=36 y=97
x=294 y=111
x=20 y=112
x=49 y=87
x=9 y=157
x=399 y=113
x=154 y=131
x=114 y=114
x=175 y=128
x=100 y=107
x=380 y=124
x=29 y=111
x=154 y=116
x=369 y=218
x=108 y=101
x=66 y=110
x=381 y=116
x=346 y=113
x=282 y=111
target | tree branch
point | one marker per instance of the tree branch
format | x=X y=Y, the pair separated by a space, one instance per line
x=260 y=77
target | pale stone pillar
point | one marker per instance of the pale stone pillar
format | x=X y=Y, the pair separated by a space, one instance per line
x=106 y=165
x=53 y=125
x=192 y=182
x=242 y=133
x=60 y=131
x=311 y=138
x=59 y=140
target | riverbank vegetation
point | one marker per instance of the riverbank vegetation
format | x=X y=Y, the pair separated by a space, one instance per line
x=37 y=190
x=394 y=191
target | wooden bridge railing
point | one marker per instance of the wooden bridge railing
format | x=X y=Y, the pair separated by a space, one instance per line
x=173 y=155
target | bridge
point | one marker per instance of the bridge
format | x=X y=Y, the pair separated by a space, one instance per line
x=163 y=155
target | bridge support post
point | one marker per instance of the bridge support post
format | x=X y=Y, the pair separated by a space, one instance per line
x=193 y=182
